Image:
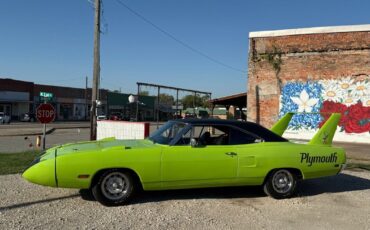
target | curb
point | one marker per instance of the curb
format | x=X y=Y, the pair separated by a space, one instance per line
x=48 y=131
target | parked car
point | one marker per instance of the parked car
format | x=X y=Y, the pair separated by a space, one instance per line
x=101 y=117
x=190 y=115
x=191 y=153
x=203 y=114
x=29 y=117
x=115 y=116
x=4 y=118
x=177 y=116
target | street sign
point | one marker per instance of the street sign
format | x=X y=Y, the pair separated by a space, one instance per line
x=45 y=113
x=46 y=94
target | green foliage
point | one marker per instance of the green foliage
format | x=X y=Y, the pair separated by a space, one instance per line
x=11 y=163
x=166 y=99
x=190 y=101
x=274 y=58
x=144 y=93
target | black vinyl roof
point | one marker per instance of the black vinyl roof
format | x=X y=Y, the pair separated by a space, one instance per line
x=252 y=127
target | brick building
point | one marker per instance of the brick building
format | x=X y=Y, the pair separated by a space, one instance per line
x=16 y=97
x=323 y=69
x=70 y=103
x=19 y=97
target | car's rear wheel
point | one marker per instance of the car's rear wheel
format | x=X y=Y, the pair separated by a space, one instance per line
x=280 y=184
x=113 y=188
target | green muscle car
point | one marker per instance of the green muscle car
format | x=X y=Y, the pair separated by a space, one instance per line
x=191 y=153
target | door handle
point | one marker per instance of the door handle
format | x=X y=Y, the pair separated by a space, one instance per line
x=232 y=154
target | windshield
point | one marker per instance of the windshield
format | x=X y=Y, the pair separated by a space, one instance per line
x=166 y=133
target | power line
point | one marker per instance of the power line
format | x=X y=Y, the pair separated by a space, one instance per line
x=104 y=21
x=178 y=40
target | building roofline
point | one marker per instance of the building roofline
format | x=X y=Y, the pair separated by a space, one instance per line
x=311 y=30
x=15 y=80
x=228 y=97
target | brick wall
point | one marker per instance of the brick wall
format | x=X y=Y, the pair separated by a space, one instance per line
x=7 y=84
x=304 y=59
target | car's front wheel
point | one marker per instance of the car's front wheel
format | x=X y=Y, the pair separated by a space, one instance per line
x=280 y=184
x=113 y=188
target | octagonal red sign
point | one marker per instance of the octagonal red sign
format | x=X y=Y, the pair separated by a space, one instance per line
x=45 y=113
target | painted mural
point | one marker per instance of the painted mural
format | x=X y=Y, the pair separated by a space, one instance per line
x=349 y=96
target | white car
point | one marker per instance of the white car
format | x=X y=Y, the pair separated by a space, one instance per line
x=101 y=117
x=4 y=118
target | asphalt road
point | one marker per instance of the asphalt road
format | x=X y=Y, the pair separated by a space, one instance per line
x=64 y=133
x=57 y=124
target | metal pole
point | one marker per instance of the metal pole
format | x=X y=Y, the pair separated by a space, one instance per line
x=159 y=88
x=137 y=103
x=86 y=104
x=44 y=137
x=195 y=94
x=96 y=71
x=44 y=133
x=177 y=102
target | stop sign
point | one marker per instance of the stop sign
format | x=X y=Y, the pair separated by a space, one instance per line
x=45 y=113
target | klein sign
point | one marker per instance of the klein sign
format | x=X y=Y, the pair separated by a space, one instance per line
x=45 y=113
x=46 y=94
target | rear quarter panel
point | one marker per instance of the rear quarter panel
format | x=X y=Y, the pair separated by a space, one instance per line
x=257 y=160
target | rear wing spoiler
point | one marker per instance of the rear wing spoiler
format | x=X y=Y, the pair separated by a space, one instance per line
x=324 y=135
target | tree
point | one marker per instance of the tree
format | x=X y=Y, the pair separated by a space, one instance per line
x=191 y=101
x=144 y=93
x=166 y=99
x=205 y=101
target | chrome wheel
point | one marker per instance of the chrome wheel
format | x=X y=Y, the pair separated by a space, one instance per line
x=282 y=181
x=115 y=185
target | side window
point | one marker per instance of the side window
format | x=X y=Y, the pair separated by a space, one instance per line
x=211 y=135
x=185 y=138
x=206 y=135
x=238 y=137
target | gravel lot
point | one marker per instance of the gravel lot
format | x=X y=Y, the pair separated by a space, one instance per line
x=339 y=202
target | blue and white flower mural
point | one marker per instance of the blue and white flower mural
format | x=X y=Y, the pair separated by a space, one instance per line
x=349 y=96
x=302 y=97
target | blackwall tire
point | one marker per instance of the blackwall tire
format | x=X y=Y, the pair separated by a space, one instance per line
x=113 y=188
x=280 y=184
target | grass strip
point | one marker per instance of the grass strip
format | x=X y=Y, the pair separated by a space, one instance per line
x=11 y=163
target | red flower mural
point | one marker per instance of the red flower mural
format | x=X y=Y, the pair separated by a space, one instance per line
x=355 y=118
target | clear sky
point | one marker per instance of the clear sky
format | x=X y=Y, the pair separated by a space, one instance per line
x=51 y=42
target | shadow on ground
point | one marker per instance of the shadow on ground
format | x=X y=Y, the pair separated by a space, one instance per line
x=26 y=204
x=335 y=184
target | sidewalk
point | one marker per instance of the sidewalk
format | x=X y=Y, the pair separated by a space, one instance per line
x=24 y=132
x=29 y=129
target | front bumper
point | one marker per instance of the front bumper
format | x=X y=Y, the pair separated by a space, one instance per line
x=42 y=170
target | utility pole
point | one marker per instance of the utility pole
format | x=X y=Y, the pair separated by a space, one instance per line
x=86 y=102
x=96 y=71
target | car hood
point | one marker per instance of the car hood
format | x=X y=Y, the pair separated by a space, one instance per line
x=103 y=145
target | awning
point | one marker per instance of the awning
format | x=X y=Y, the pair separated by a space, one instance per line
x=238 y=100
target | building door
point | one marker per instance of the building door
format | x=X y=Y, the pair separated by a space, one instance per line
x=6 y=109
